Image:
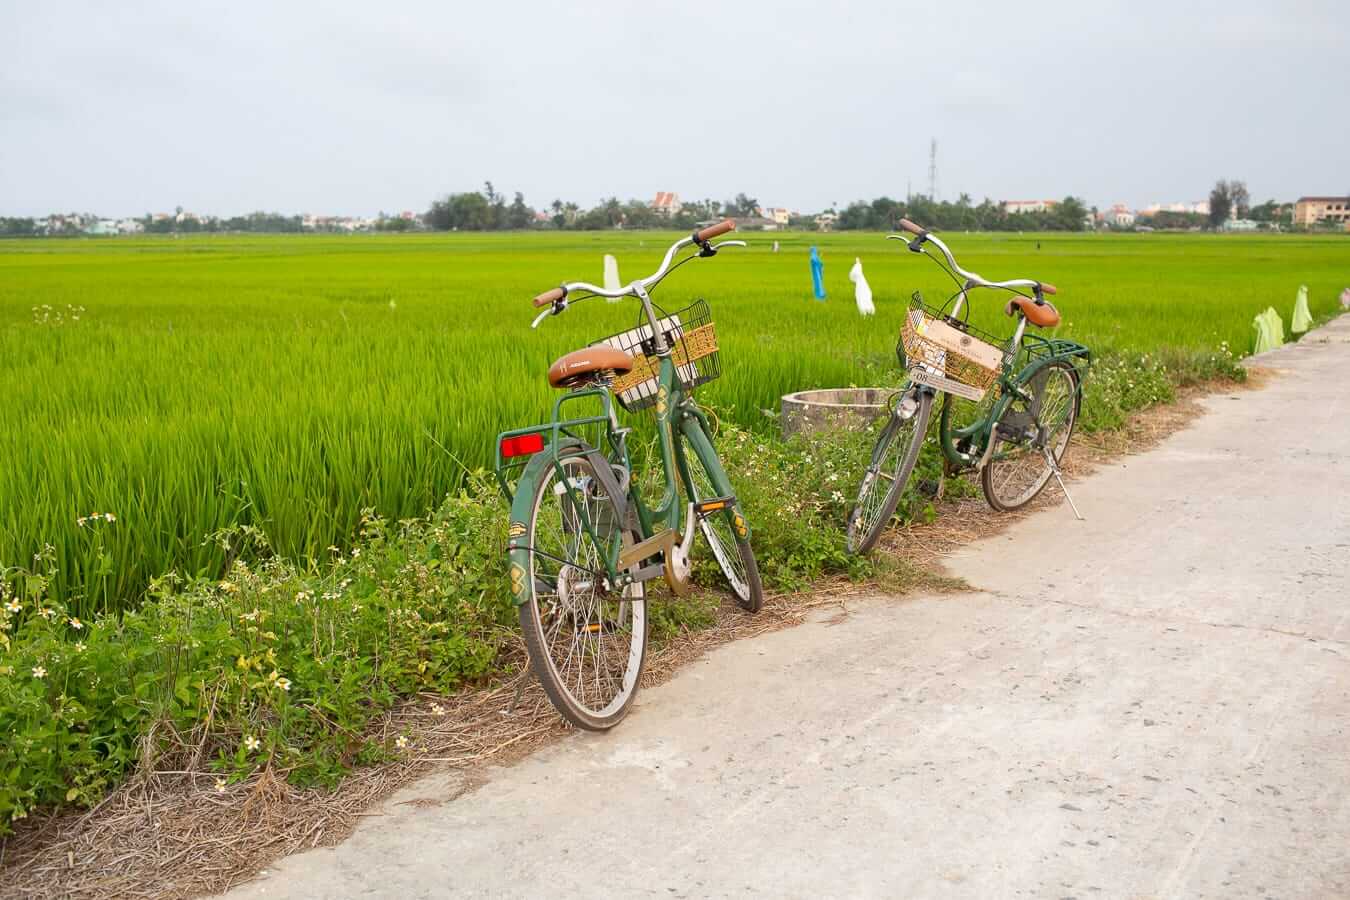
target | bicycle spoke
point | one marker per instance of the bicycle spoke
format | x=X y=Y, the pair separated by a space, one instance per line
x=588 y=658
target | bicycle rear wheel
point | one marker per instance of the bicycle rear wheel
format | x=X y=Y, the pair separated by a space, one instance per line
x=893 y=459
x=586 y=640
x=1029 y=435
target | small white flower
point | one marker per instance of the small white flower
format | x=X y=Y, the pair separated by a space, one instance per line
x=356 y=551
x=284 y=684
x=80 y=647
x=438 y=709
x=401 y=743
x=220 y=785
x=109 y=517
x=39 y=672
x=252 y=743
x=14 y=606
x=76 y=623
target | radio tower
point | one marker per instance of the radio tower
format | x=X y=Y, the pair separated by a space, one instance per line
x=932 y=171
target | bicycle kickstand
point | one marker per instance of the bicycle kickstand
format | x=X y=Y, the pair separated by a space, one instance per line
x=1054 y=467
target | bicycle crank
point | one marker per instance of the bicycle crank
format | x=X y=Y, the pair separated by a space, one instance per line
x=678 y=567
x=673 y=548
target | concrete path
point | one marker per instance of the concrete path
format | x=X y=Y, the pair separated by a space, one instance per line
x=1153 y=703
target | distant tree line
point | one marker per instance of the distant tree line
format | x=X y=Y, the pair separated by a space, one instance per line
x=260 y=222
x=883 y=214
x=488 y=210
x=17 y=227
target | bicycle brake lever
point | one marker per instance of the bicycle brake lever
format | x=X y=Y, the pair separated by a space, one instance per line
x=554 y=310
x=710 y=249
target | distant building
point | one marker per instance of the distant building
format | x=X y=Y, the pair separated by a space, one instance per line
x=667 y=203
x=1240 y=225
x=755 y=223
x=780 y=215
x=1120 y=216
x=1317 y=210
x=101 y=227
x=1017 y=207
x=825 y=221
x=1198 y=207
x=130 y=226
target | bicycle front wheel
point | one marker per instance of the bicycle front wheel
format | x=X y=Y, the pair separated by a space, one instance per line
x=893 y=459
x=726 y=531
x=1029 y=435
x=586 y=640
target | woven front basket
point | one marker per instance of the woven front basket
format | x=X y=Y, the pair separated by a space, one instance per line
x=693 y=340
x=950 y=361
x=695 y=344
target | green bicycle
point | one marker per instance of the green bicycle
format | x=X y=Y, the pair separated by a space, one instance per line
x=1009 y=406
x=582 y=540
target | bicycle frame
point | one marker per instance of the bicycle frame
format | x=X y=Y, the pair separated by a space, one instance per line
x=979 y=435
x=1010 y=383
x=564 y=440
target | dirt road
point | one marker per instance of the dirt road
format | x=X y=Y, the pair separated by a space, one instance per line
x=1151 y=703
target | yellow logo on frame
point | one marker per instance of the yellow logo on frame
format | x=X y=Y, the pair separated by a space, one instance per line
x=740 y=525
x=517 y=581
x=662 y=395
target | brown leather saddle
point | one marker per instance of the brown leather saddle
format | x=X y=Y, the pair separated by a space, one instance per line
x=587 y=364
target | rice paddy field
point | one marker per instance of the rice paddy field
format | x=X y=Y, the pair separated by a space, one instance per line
x=177 y=387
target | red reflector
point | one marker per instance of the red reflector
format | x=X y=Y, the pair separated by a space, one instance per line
x=522 y=444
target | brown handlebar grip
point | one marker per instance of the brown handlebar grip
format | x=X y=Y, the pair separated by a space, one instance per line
x=1048 y=288
x=548 y=297
x=907 y=225
x=713 y=231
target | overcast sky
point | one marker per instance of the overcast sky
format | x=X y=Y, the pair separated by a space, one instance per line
x=123 y=108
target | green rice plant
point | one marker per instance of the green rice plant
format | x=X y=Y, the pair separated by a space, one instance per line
x=190 y=385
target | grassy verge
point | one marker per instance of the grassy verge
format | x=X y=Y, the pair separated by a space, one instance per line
x=283 y=663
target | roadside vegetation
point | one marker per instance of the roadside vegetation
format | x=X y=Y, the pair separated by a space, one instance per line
x=222 y=453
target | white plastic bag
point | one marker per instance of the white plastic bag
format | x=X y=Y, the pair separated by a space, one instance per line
x=862 y=291
x=612 y=282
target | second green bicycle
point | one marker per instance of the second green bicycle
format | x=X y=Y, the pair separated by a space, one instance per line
x=1009 y=407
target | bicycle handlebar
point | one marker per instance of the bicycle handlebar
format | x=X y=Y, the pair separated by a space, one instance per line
x=548 y=297
x=907 y=225
x=712 y=231
x=923 y=236
x=556 y=298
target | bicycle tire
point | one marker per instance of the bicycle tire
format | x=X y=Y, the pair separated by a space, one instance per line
x=565 y=601
x=869 y=517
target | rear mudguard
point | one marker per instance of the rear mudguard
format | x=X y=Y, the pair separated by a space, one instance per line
x=522 y=505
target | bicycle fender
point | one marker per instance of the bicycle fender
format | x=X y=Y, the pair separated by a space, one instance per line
x=1028 y=372
x=536 y=470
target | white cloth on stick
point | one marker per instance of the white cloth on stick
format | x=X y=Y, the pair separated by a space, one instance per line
x=862 y=291
x=612 y=282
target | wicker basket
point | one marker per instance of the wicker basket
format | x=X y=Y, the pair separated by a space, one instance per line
x=690 y=332
x=954 y=350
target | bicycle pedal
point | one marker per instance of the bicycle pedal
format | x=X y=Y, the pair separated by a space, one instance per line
x=713 y=504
